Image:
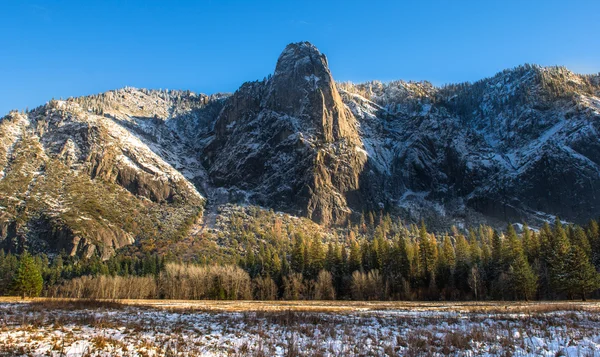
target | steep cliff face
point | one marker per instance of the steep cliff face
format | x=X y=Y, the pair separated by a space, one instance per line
x=302 y=87
x=289 y=142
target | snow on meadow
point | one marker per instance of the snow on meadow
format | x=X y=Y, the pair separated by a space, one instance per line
x=163 y=328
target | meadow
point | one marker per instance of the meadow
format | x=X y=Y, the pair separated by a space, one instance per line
x=76 y=327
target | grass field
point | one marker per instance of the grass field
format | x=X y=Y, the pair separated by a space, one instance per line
x=50 y=327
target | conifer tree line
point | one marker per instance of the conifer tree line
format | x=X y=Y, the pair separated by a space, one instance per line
x=373 y=261
x=556 y=262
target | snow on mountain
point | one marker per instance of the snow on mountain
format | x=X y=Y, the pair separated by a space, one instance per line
x=520 y=146
x=506 y=147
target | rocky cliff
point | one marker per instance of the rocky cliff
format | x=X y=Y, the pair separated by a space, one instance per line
x=289 y=142
x=92 y=174
x=86 y=180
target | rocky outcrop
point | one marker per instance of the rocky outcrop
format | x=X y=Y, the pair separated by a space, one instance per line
x=302 y=87
x=289 y=142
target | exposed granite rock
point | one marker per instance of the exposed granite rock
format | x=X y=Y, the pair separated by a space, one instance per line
x=289 y=141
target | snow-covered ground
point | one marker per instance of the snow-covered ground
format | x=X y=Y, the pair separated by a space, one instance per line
x=188 y=329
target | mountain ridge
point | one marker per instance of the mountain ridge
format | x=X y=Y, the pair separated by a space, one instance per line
x=519 y=146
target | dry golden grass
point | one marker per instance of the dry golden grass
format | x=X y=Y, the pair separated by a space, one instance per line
x=485 y=307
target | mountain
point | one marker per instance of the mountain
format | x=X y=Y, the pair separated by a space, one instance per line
x=290 y=142
x=521 y=146
x=93 y=174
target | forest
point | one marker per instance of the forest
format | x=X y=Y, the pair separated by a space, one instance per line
x=377 y=259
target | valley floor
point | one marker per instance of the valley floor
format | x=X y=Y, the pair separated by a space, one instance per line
x=44 y=327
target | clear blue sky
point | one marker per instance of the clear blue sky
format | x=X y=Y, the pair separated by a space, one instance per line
x=71 y=48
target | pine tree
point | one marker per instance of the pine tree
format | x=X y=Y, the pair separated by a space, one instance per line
x=580 y=276
x=513 y=245
x=28 y=281
x=446 y=264
x=497 y=252
x=545 y=237
x=427 y=254
x=579 y=238
x=463 y=264
x=316 y=257
x=559 y=247
x=355 y=259
x=531 y=243
x=474 y=248
x=398 y=267
x=330 y=257
x=593 y=234
x=9 y=264
x=297 y=256
x=523 y=278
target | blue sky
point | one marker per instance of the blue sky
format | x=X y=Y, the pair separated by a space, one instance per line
x=70 y=48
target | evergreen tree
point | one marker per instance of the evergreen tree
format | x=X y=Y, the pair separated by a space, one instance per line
x=558 y=251
x=9 y=264
x=397 y=267
x=513 y=246
x=316 y=258
x=427 y=255
x=28 y=281
x=578 y=238
x=463 y=264
x=545 y=237
x=297 y=256
x=497 y=250
x=580 y=276
x=53 y=273
x=593 y=234
x=531 y=244
x=474 y=248
x=446 y=264
x=355 y=259
x=524 y=280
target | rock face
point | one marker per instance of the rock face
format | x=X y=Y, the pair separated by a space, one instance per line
x=90 y=181
x=289 y=142
x=520 y=146
x=90 y=175
x=302 y=87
